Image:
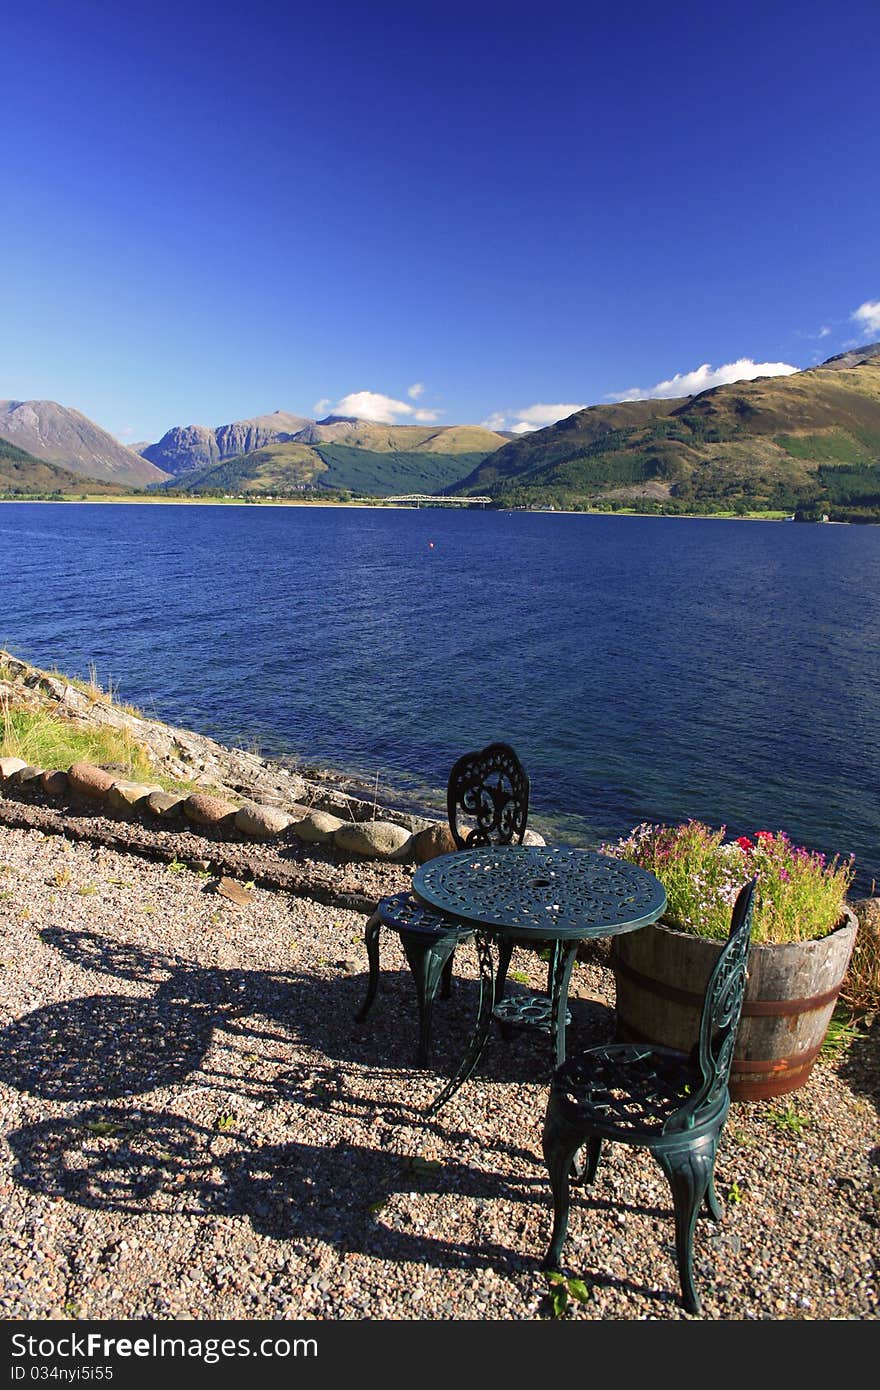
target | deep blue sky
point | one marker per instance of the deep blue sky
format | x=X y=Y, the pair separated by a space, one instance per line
x=214 y=211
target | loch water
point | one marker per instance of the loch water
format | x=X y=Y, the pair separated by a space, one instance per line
x=645 y=668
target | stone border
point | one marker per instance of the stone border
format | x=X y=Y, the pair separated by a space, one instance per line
x=116 y=796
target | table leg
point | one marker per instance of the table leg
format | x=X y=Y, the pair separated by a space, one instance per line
x=562 y=964
x=480 y=1034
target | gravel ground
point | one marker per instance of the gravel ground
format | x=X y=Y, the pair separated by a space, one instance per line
x=195 y=1128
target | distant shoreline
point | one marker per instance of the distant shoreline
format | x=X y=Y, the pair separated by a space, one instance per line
x=399 y=506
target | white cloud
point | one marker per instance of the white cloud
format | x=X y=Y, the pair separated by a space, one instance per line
x=382 y=410
x=539 y=415
x=417 y=389
x=703 y=378
x=532 y=417
x=867 y=316
x=823 y=331
x=320 y=407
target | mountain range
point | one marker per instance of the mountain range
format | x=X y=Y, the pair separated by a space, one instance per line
x=280 y=453
x=810 y=440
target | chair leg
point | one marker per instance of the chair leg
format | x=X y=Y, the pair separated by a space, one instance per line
x=689 y=1171
x=560 y=1143
x=371 y=940
x=505 y=952
x=446 y=982
x=427 y=961
x=562 y=965
x=712 y=1203
x=594 y=1150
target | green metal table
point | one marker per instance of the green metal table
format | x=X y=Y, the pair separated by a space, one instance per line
x=534 y=893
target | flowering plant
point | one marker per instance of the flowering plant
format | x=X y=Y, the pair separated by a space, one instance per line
x=800 y=894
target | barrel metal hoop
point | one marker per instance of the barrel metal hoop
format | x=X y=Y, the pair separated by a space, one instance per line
x=752 y=1008
x=795 y=1064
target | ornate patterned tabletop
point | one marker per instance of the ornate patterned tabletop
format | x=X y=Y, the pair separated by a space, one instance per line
x=541 y=893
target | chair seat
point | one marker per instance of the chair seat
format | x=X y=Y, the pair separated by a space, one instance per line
x=403 y=912
x=626 y=1091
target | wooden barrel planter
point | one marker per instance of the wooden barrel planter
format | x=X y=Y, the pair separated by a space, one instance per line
x=661 y=976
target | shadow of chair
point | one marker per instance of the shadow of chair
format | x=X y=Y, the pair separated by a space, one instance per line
x=487 y=803
x=671 y=1103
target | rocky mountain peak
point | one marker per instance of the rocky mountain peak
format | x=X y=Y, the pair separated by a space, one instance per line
x=62 y=436
x=853 y=357
x=188 y=447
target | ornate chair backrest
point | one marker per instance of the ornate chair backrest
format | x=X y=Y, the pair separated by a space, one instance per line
x=490 y=787
x=722 y=1007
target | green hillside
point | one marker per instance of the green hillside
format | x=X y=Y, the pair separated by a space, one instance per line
x=807 y=443
x=280 y=469
x=310 y=470
x=530 y=454
x=24 y=476
x=370 y=474
x=406 y=439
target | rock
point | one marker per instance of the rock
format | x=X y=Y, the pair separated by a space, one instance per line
x=261 y=820
x=434 y=840
x=26 y=776
x=166 y=804
x=532 y=837
x=374 y=839
x=235 y=892
x=9 y=766
x=91 y=781
x=55 y=782
x=13 y=666
x=122 y=796
x=208 y=810
x=317 y=828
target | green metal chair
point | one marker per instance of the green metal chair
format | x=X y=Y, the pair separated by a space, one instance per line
x=669 y=1102
x=487 y=802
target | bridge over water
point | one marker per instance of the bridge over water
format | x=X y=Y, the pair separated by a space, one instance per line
x=425 y=499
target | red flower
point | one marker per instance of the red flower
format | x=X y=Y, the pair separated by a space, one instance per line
x=744 y=842
x=764 y=835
